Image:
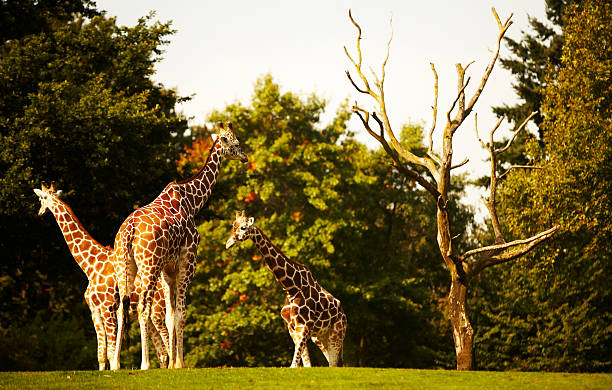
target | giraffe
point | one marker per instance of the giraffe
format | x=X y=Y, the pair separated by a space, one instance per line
x=161 y=239
x=309 y=311
x=96 y=261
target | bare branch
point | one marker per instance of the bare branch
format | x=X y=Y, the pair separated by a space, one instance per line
x=380 y=125
x=382 y=79
x=434 y=108
x=366 y=121
x=348 y=74
x=462 y=163
x=499 y=151
x=491 y=260
x=518 y=166
x=502 y=31
x=459 y=94
x=426 y=162
x=358 y=63
x=476 y=130
x=493 y=130
x=499 y=247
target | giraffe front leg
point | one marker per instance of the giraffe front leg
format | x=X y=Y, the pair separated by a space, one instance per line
x=302 y=335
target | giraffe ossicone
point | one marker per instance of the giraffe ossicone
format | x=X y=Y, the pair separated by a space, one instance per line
x=160 y=241
x=309 y=311
x=96 y=261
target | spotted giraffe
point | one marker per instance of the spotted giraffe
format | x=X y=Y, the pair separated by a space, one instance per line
x=102 y=294
x=309 y=311
x=161 y=239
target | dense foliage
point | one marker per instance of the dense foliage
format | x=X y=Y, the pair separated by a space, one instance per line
x=77 y=106
x=552 y=311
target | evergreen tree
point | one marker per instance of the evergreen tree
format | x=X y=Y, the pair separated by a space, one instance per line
x=552 y=311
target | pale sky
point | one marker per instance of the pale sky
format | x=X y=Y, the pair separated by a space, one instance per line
x=222 y=47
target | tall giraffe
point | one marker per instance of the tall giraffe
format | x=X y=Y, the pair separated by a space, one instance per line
x=161 y=238
x=309 y=311
x=96 y=261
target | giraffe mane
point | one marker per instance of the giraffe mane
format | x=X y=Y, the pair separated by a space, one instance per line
x=184 y=181
x=280 y=251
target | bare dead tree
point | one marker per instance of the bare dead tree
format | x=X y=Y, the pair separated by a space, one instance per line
x=462 y=267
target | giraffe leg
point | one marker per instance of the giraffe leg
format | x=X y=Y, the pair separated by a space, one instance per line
x=144 y=316
x=160 y=332
x=101 y=338
x=185 y=276
x=124 y=265
x=302 y=335
x=335 y=344
x=110 y=325
x=160 y=349
x=322 y=344
x=168 y=286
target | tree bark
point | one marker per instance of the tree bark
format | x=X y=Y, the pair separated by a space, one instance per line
x=463 y=334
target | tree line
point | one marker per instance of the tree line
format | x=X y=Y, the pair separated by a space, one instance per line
x=78 y=106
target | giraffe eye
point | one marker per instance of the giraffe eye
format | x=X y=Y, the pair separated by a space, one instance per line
x=242 y=227
x=224 y=139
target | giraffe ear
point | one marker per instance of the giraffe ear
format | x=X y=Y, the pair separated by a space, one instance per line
x=220 y=125
x=230 y=126
x=251 y=220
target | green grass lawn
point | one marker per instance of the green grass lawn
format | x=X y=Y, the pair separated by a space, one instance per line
x=314 y=378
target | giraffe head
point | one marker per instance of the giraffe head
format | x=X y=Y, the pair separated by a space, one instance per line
x=230 y=146
x=242 y=229
x=47 y=196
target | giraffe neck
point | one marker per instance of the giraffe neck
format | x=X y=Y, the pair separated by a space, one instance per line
x=284 y=269
x=83 y=247
x=197 y=189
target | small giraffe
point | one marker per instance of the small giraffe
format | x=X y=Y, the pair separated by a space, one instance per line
x=102 y=294
x=310 y=311
x=161 y=238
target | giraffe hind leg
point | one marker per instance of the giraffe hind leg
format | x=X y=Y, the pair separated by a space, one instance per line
x=101 y=338
x=322 y=344
x=301 y=347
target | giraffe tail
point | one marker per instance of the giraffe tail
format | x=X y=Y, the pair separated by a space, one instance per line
x=126 y=318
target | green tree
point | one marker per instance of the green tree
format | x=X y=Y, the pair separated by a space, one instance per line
x=19 y=18
x=552 y=311
x=77 y=106
x=538 y=52
x=316 y=193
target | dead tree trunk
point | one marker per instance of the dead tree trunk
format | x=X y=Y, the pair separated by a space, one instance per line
x=439 y=164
